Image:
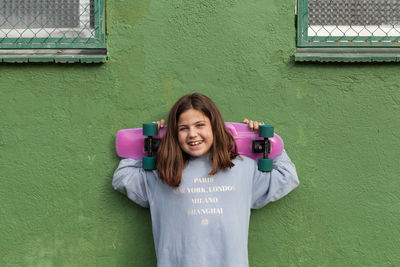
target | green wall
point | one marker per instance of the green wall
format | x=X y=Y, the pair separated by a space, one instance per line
x=340 y=123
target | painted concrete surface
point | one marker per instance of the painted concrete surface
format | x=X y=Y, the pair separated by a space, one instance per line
x=340 y=123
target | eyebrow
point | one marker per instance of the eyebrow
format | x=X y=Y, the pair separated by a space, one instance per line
x=179 y=125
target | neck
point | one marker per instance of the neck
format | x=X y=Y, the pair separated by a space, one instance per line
x=205 y=156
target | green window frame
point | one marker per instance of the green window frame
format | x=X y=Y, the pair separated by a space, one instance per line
x=348 y=30
x=61 y=31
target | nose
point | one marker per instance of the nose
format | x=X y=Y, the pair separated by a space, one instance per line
x=192 y=132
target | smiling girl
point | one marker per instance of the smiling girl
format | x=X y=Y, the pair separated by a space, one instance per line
x=202 y=191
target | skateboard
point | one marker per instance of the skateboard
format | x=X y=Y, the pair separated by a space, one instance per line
x=142 y=143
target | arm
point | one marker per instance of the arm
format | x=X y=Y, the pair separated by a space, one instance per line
x=271 y=186
x=130 y=179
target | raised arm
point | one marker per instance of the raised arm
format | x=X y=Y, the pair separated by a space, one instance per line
x=131 y=179
x=273 y=185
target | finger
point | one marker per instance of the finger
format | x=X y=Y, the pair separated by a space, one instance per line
x=162 y=123
x=251 y=124
x=256 y=126
x=245 y=120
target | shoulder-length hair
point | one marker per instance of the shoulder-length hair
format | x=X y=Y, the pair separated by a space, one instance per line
x=171 y=159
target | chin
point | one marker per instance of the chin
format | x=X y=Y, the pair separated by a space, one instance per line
x=196 y=153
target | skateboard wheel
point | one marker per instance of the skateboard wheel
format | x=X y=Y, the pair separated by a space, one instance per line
x=150 y=129
x=149 y=163
x=265 y=165
x=266 y=131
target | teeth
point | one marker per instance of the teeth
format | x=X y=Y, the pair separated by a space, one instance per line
x=194 y=143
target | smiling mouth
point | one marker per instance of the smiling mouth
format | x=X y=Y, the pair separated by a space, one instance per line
x=195 y=143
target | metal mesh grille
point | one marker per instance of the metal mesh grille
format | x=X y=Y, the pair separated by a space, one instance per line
x=38 y=14
x=354 y=12
x=47 y=21
x=354 y=18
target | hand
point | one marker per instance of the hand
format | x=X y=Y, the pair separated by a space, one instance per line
x=253 y=125
x=160 y=123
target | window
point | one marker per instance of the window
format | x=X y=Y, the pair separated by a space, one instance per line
x=348 y=30
x=52 y=30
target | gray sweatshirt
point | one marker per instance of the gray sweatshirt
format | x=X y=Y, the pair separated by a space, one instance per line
x=205 y=221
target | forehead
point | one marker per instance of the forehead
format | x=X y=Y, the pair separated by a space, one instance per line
x=191 y=116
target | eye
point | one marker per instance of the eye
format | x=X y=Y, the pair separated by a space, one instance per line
x=182 y=128
x=201 y=125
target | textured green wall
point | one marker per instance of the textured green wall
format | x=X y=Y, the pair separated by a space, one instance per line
x=340 y=123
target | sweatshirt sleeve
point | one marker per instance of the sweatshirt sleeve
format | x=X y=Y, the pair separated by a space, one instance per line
x=131 y=179
x=273 y=185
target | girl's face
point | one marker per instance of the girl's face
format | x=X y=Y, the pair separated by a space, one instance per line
x=195 y=134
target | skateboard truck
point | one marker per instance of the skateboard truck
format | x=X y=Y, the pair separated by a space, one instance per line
x=264 y=146
x=150 y=145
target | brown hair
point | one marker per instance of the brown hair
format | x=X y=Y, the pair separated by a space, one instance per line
x=171 y=159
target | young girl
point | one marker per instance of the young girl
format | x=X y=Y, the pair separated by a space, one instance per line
x=201 y=194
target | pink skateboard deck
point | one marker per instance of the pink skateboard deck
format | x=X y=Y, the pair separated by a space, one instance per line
x=130 y=142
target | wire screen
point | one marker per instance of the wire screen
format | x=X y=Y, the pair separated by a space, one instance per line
x=31 y=19
x=354 y=18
